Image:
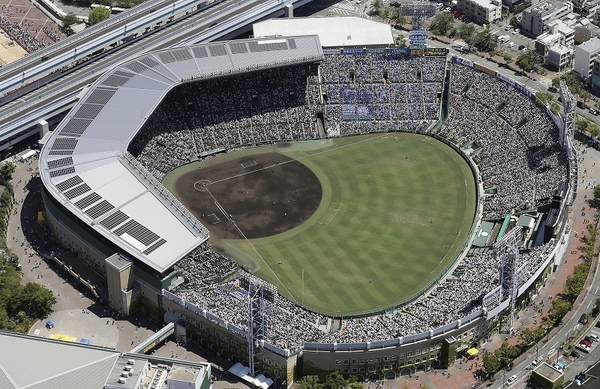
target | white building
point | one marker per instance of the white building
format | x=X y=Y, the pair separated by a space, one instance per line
x=481 y=11
x=559 y=56
x=585 y=54
x=332 y=32
x=535 y=19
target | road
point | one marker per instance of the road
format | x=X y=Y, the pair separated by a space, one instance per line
x=79 y=78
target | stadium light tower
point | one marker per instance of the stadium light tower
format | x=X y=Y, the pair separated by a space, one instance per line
x=511 y=270
x=418 y=13
x=259 y=292
x=567 y=119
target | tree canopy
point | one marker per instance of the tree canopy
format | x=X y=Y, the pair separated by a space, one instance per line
x=7 y=170
x=69 y=19
x=529 y=60
x=21 y=305
x=98 y=14
x=485 y=41
x=334 y=381
x=441 y=23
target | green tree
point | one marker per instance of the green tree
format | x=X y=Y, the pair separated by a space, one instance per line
x=335 y=381
x=491 y=364
x=441 y=23
x=376 y=7
x=69 y=19
x=582 y=124
x=485 y=41
x=21 y=305
x=574 y=283
x=543 y=98
x=98 y=15
x=584 y=95
x=466 y=32
x=309 y=382
x=597 y=192
x=400 y=19
x=594 y=129
x=573 y=82
x=558 y=309
x=528 y=337
x=7 y=170
x=554 y=107
x=514 y=21
x=529 y=60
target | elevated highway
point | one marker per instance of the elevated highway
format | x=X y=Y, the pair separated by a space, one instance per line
x=19 y=117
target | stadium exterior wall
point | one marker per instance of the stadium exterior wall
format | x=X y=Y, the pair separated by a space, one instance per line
x=382 y=358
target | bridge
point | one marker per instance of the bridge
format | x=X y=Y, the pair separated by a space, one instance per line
x=47 y=88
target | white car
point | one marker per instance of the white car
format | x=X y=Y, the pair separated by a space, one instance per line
x=594 y=337
x=516 y=31
x=511 y=380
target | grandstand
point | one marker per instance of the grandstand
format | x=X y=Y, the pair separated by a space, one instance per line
x=102 y=167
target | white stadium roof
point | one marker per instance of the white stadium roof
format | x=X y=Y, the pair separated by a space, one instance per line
x=333 y=32
x=85 y=164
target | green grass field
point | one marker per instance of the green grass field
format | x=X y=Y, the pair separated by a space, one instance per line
x=396 y=209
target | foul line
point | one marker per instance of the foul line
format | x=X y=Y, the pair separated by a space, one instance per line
x=298 y=159
x=251 y=245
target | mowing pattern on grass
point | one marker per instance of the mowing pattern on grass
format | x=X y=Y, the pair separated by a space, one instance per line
x=395 y=210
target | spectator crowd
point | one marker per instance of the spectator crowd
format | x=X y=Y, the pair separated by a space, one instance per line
x=26 y=33
x=512 y=140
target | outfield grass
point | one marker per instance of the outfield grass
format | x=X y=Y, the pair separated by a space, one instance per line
x=396 y=210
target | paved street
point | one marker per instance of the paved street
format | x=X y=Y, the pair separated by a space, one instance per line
x=78 y=315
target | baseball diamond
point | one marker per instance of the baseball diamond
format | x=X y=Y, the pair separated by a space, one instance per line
x=344 y=227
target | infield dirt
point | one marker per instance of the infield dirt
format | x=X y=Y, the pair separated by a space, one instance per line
x=257 y=196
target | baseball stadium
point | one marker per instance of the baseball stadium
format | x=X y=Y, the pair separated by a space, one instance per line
x=301 y=210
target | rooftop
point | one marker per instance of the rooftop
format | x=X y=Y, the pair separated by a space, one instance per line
x=549 y=372
x=489 y=4
x=592 y=46
x=184 y=373
x=332 y=32
x=85 y=164
x=39 y=363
